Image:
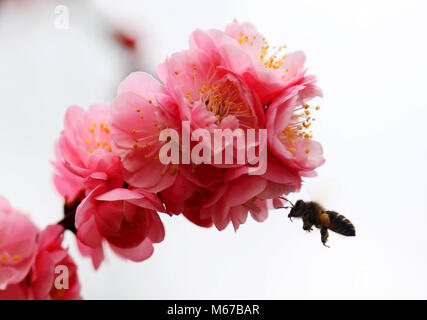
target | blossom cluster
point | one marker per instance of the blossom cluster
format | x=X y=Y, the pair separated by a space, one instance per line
x=110 y=166
x=29 y=260
x=108 y=157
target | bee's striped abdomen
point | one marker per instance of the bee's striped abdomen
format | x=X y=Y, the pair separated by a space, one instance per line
x=340 y=224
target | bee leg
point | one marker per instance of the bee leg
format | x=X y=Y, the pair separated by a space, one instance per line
x=308 y=226
x=324 y=233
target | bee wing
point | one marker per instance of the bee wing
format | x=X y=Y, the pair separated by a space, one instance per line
x=320 y=190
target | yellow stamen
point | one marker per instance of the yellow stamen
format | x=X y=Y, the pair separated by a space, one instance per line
x=173 y=170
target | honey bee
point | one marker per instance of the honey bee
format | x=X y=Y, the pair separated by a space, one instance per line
x=313 y=213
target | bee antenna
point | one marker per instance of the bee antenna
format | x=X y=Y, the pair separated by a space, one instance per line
x=283 y=198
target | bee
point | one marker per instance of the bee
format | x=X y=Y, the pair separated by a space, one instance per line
x=313 y=214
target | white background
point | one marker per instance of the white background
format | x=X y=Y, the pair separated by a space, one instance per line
x=370 y=59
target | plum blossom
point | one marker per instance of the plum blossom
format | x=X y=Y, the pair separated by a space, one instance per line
x=18 y=245
x=141 y=110
x=109 y=157
x=28 y=258
x=208 y=94
x=228 y=79
x=193 y=187
x=109 y=164
x=84 y=153
x=288 y=120
x=126 y=219
x=241 y=194
x=90 y=176
x=268 y=70
x=212 y=97
x=39 y=283
x=235 y=80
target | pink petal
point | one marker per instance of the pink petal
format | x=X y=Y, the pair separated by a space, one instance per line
x=140 y=83
x=138 y=253
x=118 y=194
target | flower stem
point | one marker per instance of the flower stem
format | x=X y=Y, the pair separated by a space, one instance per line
x=68 y=222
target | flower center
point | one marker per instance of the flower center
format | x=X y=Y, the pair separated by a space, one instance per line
x=6 y=257
x=147 y=139
x=222 y=99
x=99 y=137
x=272 y=58
x=269 y=57
x=298 y=127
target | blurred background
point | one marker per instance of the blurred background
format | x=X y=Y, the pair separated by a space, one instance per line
x=370 y=59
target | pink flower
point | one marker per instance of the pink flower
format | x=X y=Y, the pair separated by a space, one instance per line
x=242 y=194
x=233 y=200
x=213 y=98
x=41 y=282
x=241 y=48
x=17 y=245
x=91 y=174
x=141 y=110
x=126 y=219
x=209 y=95
x=288 y=119
x=84 y=153
x=231 y=80
x=191 y=191
x=207 y=195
